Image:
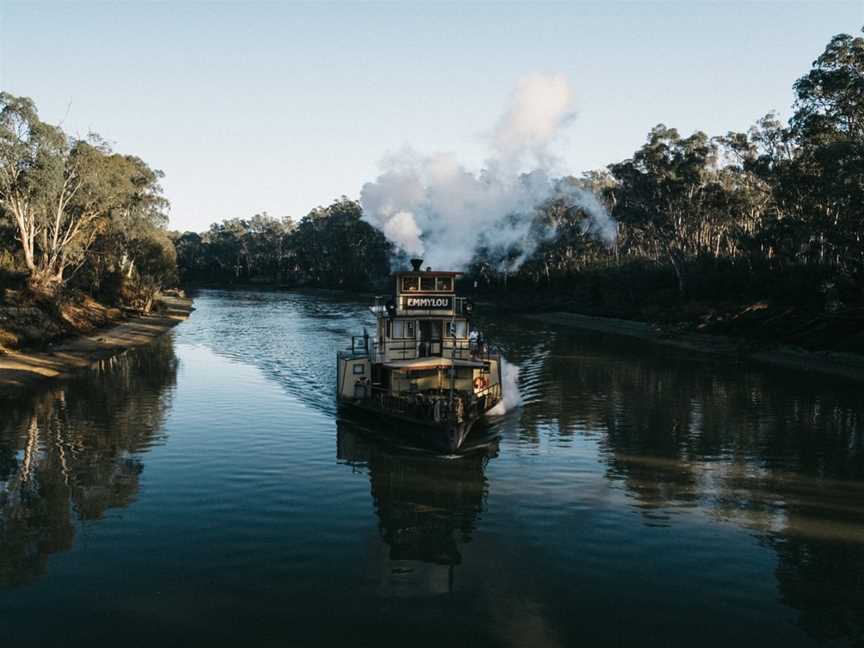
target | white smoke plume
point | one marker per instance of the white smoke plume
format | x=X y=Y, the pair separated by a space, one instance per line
x=540 y=109
x=509 y=389
x=432 y=206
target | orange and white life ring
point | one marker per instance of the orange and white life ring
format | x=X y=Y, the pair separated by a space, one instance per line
x=480 y=382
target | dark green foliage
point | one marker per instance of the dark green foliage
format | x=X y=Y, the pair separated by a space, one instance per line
x=330 y=247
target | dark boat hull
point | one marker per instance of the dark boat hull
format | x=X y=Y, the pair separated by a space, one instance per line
x=442 y=437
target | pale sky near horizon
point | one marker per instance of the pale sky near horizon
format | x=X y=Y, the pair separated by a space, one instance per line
x=280 y=107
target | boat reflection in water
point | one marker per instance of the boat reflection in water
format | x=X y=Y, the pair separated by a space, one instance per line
x=69 y=454
x=427 y=505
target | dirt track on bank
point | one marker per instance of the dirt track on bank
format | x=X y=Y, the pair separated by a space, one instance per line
x=22 y=370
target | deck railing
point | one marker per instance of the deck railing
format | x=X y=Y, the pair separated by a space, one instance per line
x=459 y=349
x=435 y=405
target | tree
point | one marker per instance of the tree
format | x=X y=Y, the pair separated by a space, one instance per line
x=332 y=246
x=33 y=180
x=663 y=192
x=828 y=128
x=190 y=252
x=61 y=194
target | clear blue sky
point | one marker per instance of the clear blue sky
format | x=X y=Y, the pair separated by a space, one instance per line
x=280 y=107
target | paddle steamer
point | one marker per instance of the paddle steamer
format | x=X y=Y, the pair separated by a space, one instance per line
x=425 y=367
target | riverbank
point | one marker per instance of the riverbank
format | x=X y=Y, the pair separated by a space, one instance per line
x=848 y=365
x=21 y=370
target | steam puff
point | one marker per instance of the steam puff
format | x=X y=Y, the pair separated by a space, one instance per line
x=599 y=223
x=541 y=107
x=509 y=389
x=403 y=229
x=433 y=206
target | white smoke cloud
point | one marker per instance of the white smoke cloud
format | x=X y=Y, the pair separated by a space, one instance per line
x=432 y=206
x=540 y=109
x=599 y=223
x=511 y=396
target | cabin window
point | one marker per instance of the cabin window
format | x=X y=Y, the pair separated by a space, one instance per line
x=423 y=373
x=458 y=328
x=410 y=284
x=359 y=369
x=427 y=284
x=401 y=329
x=445 y=284
x=430 y=330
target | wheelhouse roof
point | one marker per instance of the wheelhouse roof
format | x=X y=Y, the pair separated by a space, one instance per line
x=433 y=363
x=429 y=273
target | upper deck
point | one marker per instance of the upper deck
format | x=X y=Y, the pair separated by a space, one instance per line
x=425 y=293
x=422 y=318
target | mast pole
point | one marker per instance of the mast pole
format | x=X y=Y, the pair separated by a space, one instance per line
x=452 y=332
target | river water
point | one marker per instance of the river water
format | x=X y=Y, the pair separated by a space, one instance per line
x=204 y=491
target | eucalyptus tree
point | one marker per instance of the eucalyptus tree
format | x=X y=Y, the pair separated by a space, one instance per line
x=828 y=128
x=227 y=249
x=133 y=221
x=663 y=192
x=60 y=193
x=265 y=242
x=190 y=253
x=34 y=184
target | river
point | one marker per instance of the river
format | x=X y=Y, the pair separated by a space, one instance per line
x=203 y=491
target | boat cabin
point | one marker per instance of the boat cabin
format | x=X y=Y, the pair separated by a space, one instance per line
x=424 y=342
x=424 y=319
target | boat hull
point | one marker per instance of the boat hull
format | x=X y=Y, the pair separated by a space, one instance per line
x=441 y=437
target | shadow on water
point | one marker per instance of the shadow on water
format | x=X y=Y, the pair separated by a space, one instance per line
x=71 y=453
x=427 y=505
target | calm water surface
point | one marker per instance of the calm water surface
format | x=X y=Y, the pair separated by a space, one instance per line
x=203 y=491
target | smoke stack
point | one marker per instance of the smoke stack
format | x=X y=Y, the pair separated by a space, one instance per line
x=416 y=264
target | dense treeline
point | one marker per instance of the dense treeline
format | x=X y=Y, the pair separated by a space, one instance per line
x=73 y=213
x=330 y=247
x=783 y=203
x=776 y=208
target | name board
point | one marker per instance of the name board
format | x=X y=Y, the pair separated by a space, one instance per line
x=428 y=303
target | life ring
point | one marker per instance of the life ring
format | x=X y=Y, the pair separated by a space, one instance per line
x=480 y=383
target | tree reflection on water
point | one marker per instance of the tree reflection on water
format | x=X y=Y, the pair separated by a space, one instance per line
x=779 y=454
x=638 y=496
x=71 y=453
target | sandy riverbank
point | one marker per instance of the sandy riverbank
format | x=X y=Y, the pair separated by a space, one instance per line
x=848 y=365
x=21 y=370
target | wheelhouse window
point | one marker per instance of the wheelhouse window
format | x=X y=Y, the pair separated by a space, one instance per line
x=410 y=284
x=458 y=328
x=430 y=330
x=401 y=329
x=445 y=284
x=427 y=284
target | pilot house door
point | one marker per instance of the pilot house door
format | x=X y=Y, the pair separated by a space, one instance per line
x=430 y=337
